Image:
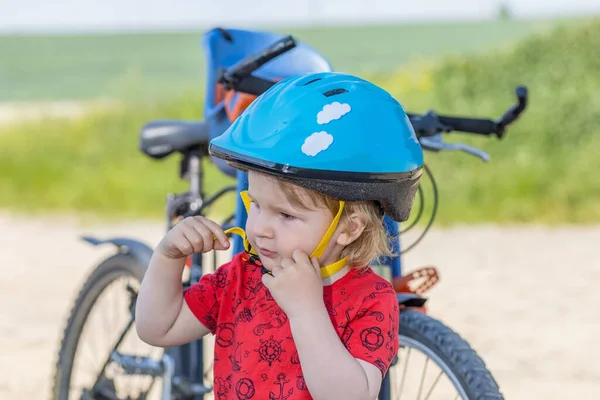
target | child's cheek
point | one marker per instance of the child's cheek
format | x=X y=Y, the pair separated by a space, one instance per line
x=250 y=229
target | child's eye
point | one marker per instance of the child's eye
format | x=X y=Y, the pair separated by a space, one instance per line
x=255 y=204
x=287 y=216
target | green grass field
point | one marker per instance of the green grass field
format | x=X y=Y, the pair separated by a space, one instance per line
x=544 y=171
x=159 y=65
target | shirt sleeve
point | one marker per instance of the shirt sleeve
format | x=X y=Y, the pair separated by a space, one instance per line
x=372 y=335
x=204 y=297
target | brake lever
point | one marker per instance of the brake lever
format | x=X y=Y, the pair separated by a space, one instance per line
x=436 y=143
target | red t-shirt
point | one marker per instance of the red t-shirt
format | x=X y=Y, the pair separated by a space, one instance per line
x=255 y=356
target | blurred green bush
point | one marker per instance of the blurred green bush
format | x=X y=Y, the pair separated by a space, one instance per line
x=547 y=167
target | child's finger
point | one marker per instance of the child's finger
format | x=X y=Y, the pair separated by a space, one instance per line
x=193 y=237
x=277 y=269
x=314 y=260
x=301 y=257
x=207 y=237
x=286 y=263
x=268 y=280
x=183 y=245
x=217 y=231
x=217 y=235
x=217 y=245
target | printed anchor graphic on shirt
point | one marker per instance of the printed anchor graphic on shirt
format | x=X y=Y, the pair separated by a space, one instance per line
x=281 y=382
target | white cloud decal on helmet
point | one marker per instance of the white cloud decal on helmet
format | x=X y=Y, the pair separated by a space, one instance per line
x=316 y=143
x=331 y=112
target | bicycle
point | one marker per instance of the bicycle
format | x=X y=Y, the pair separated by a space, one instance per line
x=242 y=64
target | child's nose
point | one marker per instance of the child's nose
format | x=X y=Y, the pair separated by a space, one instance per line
x=263 y=227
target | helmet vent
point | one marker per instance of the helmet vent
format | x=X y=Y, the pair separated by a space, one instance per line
x=334 y=92
x=311 y=81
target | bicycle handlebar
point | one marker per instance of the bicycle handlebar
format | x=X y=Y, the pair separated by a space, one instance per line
x=430 y=124
x=238 y=77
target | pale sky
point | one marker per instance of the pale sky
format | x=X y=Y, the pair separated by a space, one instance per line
x=106 y=15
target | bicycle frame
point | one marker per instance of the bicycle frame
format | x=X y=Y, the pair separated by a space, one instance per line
x=224 y=104
x=183 y=366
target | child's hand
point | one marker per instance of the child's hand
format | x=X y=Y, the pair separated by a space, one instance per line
x=296 y=285
x=193 y=235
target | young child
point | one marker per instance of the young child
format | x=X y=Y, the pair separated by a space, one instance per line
x=299 y=314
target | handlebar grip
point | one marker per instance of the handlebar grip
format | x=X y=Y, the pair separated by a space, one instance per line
x=516 y=110
x=430 y=124
x=470 y=125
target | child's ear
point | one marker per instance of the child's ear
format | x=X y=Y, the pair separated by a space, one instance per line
x=351 y=228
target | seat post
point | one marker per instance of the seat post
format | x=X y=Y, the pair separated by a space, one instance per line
x=195 y=174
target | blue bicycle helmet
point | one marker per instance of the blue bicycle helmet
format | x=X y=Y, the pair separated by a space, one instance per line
x=331 y=132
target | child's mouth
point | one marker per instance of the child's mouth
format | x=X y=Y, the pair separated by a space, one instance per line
x=267 y=253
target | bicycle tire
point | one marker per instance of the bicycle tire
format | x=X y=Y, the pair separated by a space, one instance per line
x=451 y=349
x=106 y=272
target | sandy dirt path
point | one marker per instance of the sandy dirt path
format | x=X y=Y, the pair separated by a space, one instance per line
x=19 y=112
x=527 y=299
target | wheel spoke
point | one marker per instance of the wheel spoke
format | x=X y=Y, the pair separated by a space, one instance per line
x=423 y=378
x=400 y=391
x=433 y=385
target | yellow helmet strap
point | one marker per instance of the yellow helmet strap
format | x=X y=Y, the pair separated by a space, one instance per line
x=327 y=270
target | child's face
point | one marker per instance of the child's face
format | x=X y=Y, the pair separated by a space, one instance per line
x=276 y=229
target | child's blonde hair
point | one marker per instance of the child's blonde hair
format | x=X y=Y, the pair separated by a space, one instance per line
x=373 y=241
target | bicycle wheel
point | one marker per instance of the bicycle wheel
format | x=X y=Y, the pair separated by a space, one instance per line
x=120 y=369
x=446 y=365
